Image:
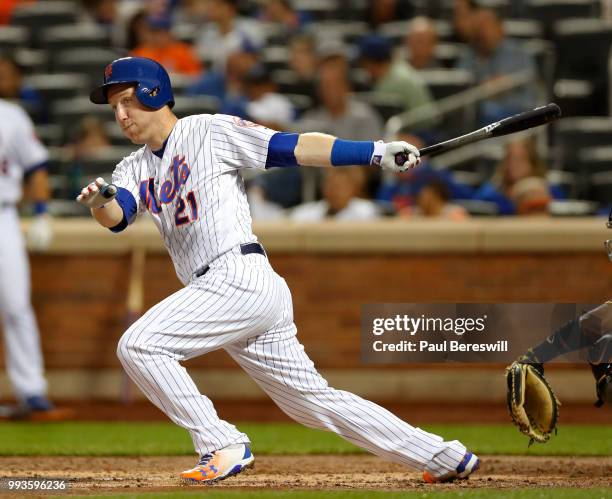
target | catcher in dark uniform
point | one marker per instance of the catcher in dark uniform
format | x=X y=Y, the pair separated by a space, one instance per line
x=531 y=401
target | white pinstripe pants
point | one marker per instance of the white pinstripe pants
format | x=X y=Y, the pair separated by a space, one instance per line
x=24 y=361
x=243 y=306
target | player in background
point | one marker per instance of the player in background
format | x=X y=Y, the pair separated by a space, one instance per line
x=22 y=162
x=187 y=176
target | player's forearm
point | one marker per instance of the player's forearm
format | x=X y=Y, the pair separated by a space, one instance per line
x=314 y=149
x=109 y=215
x=38 y=186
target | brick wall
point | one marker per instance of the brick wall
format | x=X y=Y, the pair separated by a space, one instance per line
x=80 y=299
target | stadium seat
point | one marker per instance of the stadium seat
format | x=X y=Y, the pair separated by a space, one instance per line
x=600 y=188
x=13 y=37
x=446 y=82
x=37 y=16
x=317 y=9
x=82 y=36
x=87 y=61
x=202 y=104
x=397 y=30
x=70 y=112
x=50 y=134
x=584 y=48
x=349 y=32
x=523 y=28
x=288 y=82
x=576 y=97
x=447 y=54
x=550 y=11
x=275 y=57
x=59 y=86
x=575 y=134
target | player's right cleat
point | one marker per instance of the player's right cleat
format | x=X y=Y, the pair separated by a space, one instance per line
x=220 y=464
x=468 y=465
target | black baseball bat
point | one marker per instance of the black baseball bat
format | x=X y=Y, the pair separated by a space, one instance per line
x=522 y=121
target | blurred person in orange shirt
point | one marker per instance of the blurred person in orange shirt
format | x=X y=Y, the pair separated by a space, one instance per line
x=8 y=6
x=161 y=46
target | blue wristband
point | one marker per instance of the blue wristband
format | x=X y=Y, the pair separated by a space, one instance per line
x=40 y=207
x=349 y=152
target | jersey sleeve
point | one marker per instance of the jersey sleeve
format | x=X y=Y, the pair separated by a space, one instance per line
x=29 y=151
x=124 y=176
x=238 y=143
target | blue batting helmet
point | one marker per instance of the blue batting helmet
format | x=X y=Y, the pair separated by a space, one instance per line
x=153 y=87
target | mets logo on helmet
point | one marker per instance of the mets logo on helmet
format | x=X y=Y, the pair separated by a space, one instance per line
x=108 y=71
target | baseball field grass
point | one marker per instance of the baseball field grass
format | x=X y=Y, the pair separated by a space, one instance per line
x=165 y=439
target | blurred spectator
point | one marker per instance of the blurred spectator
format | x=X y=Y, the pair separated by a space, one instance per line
x=161 y=46
x=90 y=139
x=228 y=85
x=392 y=78
x=520 y=161
x=282 y=13
x=227 y=33
x=101 y=12
x=463 y=21
x=266 y=106
x=303 y=61
x=8 y=6
x=341 y=190
x=386 y=11
x=421 y=42
x=531 y=196
x=339 y=113
x=493 y=56
x=432 y=198
x=13 y=88
x=137 y=31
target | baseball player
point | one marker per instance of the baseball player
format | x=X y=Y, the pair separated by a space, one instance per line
x=22 y=158
x=187 y=176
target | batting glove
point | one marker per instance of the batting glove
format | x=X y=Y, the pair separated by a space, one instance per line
x=396 y=156
x=97 y=194
x=40 y=233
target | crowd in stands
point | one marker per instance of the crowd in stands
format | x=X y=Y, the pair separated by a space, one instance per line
x=343 y=68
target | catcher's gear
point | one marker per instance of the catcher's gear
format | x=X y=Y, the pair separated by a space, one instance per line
x=153 y=87
x=533 y=406
x=603 y=383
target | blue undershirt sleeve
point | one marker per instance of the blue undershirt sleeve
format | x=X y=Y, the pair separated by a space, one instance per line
x=129 y=207
x=281 y=150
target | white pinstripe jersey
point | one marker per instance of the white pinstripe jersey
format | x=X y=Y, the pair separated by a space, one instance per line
x=207 y=214
x=20 y=150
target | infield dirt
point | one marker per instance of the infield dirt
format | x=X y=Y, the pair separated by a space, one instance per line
x=95 y=475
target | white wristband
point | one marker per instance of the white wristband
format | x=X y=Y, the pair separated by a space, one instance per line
x=379 y=151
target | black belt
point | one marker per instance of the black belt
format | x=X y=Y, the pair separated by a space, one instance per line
x=245 y=249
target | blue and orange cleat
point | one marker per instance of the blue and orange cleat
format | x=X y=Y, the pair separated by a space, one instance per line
x=468 y=465
x=220 y=464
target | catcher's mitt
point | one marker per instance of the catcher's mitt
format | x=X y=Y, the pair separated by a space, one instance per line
x=533 y=406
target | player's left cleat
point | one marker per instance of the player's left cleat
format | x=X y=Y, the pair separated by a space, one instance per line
x=468 y=465
x=220 y=464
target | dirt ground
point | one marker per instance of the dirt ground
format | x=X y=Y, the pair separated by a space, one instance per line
x=89 y=475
